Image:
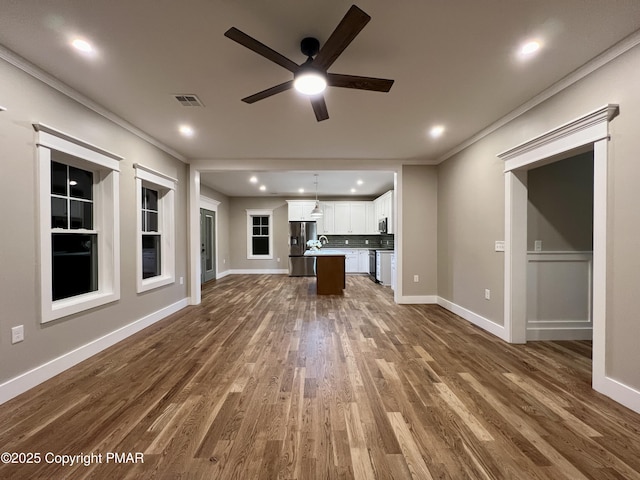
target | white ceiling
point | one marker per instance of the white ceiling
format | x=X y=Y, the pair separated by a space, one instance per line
x=453 y=62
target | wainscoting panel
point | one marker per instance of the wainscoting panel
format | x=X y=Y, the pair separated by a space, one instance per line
x=559 y=287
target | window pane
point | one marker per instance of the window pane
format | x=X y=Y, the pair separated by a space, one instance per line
x=265 y=221
x=74 y=264
x=80 y=183
x=59 y=213
x=256 y=220
x=256 y=230
x=260 y=245
x=151 y=256
x=58 y=178
x=81 y=215
x=152 y=222
x=265 y=231
x=150 y=199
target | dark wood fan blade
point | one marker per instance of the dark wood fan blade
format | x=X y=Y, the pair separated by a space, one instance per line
x=261 y=49
x=268 y=92
x=359 y=83
x=319 y=108
x=348 y=28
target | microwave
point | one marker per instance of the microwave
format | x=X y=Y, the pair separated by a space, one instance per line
x=382 y=225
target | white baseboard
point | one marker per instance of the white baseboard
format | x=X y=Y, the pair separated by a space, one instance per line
x=220 y=275
x=257 y=271
x=619 y=392
x=416 y=299
x=27 y=380
x=480 y=321
x=559 y=334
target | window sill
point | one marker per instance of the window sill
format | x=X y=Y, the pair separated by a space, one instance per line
x=80 y=303
x=155 y=282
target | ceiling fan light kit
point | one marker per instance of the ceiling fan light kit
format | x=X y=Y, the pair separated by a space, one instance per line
x=311 y=77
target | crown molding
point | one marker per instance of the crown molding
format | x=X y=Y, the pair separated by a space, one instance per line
x=39 y=74
x=588 y=68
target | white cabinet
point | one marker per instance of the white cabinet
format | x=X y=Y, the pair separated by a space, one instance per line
x=383 y=206
x=393 y=271
x=371 y=218
x=363 y=261
x=326 y=222
x=350 y=218
x=351 y=261
x=383 y=267
x=300 y=210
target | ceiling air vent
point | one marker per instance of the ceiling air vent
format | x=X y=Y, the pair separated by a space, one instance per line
x=189 y=100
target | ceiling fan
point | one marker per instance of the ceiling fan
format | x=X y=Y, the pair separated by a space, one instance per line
x=311 y=77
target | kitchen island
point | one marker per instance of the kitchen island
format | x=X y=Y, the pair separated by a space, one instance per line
x=330 y=271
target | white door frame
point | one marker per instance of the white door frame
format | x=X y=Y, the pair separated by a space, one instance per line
x=591 y=131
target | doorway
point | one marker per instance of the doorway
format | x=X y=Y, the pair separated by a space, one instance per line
x=560 y=249
x=207 y=245
x=589 y=132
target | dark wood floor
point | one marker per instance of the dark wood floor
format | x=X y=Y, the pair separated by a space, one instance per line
x=265 y=380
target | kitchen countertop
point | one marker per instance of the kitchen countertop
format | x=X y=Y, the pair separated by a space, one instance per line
x=325 y=252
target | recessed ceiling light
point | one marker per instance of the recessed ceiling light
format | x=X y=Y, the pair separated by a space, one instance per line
x=262 y=188
x=301 y=190
x=253 y=179
x=436 y=131
x=353 y=190
x=359 y=182
x=82 y=45
x=529 y=48
x=186 y=130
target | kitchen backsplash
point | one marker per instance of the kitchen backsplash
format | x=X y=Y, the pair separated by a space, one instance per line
x=359 y=241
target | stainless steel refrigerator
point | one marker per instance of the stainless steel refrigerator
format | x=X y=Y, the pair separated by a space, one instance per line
x=299 y=234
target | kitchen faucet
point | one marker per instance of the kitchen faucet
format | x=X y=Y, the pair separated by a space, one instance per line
x=322 y=237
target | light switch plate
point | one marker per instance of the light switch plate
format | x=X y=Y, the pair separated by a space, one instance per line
x=537 y=246
x=499 y=245
x=17 y=334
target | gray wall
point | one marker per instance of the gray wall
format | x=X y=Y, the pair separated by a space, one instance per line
x=28 y=101
x=223 y=232
x=560 y=207
x=238 y=233
x=419 y=230
x=471 y=208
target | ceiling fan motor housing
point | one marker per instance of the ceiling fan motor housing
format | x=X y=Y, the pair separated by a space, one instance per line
x=310 y=46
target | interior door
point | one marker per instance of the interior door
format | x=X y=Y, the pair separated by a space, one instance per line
x=207 y=245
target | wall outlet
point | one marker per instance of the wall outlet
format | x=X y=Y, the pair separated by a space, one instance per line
x=17 y=334
x=499 y=246
x=366 y=242
x=224 y=260
x=346 y=242
x=537 y=245
x=487 y=294
x=416 y=278
x=278 y=259
x=181 y=280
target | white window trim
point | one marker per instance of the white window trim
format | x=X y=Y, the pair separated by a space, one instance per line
x=166 y=185
x=105 y=166
x=262 y=213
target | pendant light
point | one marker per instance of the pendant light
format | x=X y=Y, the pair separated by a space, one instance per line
x=316 y=212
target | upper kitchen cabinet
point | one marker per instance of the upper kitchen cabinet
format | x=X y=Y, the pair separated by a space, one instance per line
x=300 y=210
x=384 y=209
x=325 y=224
x=350 y=218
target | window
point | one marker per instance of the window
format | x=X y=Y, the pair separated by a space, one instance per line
x=74 y=241
x=156 y=250
x=79 y=224
x=259 y=234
